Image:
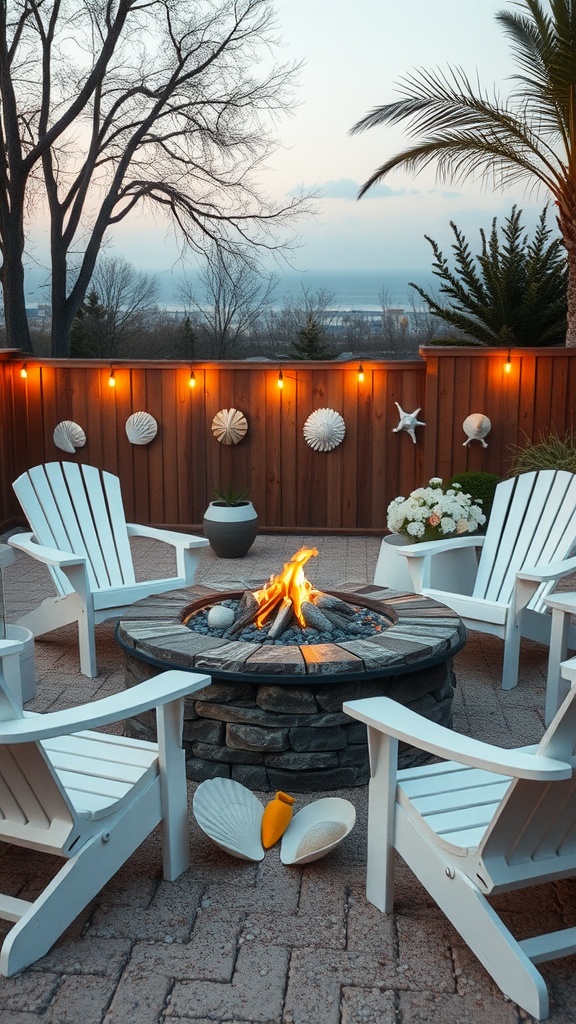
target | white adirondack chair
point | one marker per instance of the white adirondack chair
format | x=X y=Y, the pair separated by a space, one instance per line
x=488 y=821
x=89 y=797
x=530 y=535
x=80 y=532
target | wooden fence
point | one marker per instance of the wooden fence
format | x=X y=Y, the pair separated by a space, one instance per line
x=170 y=481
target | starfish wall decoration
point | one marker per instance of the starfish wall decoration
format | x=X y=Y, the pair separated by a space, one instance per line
x=408 y=422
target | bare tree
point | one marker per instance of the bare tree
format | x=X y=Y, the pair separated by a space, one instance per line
x=120 y=304
x=110 y=105
x=233 y=297
x=297 y=313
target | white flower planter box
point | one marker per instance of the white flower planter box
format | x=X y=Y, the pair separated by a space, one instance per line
x=391 y=569
x=21 y=677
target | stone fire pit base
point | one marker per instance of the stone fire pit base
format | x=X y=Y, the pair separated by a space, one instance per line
x=294 y=738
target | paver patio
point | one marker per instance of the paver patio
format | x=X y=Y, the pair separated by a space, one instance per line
x=244 y=943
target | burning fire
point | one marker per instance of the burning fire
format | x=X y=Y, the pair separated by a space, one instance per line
x=289 y=588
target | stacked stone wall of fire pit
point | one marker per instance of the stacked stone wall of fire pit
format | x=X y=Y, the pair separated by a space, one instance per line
x=294 y=738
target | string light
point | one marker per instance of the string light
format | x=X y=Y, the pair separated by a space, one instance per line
x=112 y=379
x=192 y=379
x=508 y=363
x=24 y=371
x=280 y=379
x=360 y=373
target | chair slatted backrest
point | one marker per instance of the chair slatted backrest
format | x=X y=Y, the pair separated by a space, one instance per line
x=533 y=521
x=79 y=509
x=34 y=808
x=535 y=825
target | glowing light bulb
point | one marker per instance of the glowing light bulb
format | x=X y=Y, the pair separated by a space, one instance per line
x=280 y=379
x=24 y=371
x=192 y=379
x=508 y=364
x=112 y=380
x=360 y=373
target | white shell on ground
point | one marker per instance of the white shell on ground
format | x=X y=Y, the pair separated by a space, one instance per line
x=220 y=616
x=476 y=426
x=317 y=829
x=231 y=816
x=324 y=430
x=141 y=428
x=69 y=436
x=229 y=426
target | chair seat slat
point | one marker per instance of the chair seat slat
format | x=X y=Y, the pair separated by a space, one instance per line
x=107 y=752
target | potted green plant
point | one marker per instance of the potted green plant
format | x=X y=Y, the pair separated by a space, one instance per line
x=231 y=522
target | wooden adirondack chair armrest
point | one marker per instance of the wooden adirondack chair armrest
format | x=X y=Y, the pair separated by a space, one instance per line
x=152 y=693
x=178 y=540
x=395 y=720
x=51 y=556
x=436 y=547
x=552 y=571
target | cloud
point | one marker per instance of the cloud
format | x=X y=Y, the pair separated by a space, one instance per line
x=445 y=194
x=347 y=188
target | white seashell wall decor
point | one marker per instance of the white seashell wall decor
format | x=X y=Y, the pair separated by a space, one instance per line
x=141 y=428
x=69 y=436
x=476 y=426
x=229 y=426
x=324 y=430
x=408 y=422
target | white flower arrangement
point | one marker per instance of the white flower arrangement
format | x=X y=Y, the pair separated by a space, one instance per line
x=433 y=513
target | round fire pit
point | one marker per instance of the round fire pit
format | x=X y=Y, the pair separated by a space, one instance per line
x=272 y=718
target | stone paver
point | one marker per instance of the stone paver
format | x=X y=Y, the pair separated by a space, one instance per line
x=232 y=942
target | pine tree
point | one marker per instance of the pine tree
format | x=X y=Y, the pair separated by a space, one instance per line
x=513 y=293
x=88 y=329
x=311 y=342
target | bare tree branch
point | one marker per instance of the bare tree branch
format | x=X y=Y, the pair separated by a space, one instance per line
x=111 y=105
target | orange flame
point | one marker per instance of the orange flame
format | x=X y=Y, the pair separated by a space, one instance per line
x=291 y=584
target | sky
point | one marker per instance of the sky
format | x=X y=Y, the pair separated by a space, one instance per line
x=354 y=53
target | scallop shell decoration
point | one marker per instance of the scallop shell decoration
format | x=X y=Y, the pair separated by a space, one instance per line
x=141 y=428
x=229 y=426
x=324 y=430
x=316 y=830
x=231 y=816
x=69 y=436
x=476 y=426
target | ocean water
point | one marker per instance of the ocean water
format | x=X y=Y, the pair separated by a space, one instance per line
x=358 y=289
x=347 y=290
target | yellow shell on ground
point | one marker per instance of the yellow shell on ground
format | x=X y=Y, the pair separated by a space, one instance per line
x=229 y=426
x=324 y=430
x=141 y=428
x=69 y=436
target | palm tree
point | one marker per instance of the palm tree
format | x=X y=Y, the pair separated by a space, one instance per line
x=530 y=135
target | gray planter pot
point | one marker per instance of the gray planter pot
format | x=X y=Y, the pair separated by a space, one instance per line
x=230 y=529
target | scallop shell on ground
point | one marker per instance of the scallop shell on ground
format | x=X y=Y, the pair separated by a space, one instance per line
x=316 y=830
x=141 y=428
x=231 y=816
x=324 y=430
x=229 y=426
x=69 y=436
